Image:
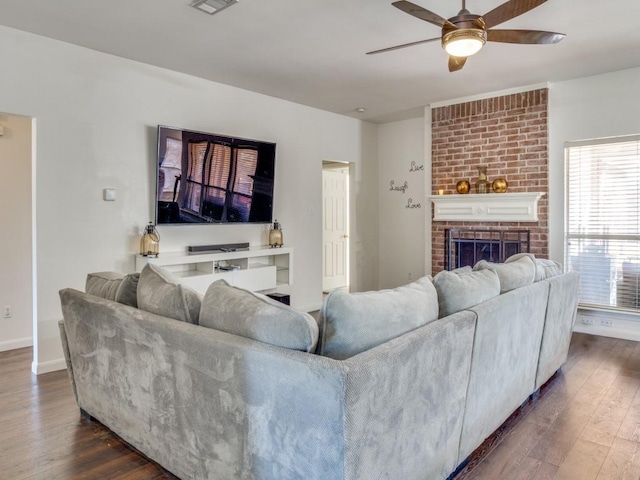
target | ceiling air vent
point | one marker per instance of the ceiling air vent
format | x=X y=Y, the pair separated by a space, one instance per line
x=212 y=6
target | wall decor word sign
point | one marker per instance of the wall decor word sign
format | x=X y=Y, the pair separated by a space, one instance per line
x=401 y=188
x=410 y=204
x=415 y=168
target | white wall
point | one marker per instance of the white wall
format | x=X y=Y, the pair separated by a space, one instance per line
x=594 y=107
x=363 y=214
x=401 y=149
x=15 y=234
x=96 y=127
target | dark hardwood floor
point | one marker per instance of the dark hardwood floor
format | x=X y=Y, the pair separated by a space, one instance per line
x=585 y=424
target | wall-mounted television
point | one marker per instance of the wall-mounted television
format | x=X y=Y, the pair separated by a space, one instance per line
x=208 y=178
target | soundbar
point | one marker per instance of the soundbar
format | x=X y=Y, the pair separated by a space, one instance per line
x=224 y=247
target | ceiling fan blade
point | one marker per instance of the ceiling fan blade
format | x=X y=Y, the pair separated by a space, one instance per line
x=404 y=45
x=524 y=36
x=456 y=63
x=509 y=10
x=422 y=13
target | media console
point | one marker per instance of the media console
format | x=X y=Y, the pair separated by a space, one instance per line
x=258 y=269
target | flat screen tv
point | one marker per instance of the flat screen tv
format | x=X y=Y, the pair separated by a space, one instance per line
x=208 y=178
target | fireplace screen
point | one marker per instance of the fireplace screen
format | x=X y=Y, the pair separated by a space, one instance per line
x=468 y=246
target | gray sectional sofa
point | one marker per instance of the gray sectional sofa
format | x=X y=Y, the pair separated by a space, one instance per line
x=396 y=384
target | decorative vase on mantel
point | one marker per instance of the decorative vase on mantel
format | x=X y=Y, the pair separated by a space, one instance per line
x=482 y=185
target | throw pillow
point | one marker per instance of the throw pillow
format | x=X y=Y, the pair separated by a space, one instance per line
x=159 y=292
x=544 y=268
x=512 y=275
x=355 y=322
x=252 y=315
x=103 y=284
x=459 y=291
x=127 y=292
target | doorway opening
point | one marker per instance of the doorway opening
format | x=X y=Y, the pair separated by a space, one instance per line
x=335 y=226
x=18 y=328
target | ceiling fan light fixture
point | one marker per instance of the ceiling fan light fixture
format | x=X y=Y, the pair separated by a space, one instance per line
x=464 y=42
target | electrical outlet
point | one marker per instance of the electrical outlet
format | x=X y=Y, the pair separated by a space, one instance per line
x=606 y=322
x=7 y=311
x=410 y=275
x=587 y=320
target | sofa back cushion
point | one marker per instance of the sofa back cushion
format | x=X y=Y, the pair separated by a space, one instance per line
x=159 y=292
x=127 y=292
x=512 y=275
x=463 y=288
x=253 y=315
x=103 y=284
x=355 y=322
x=545 y=268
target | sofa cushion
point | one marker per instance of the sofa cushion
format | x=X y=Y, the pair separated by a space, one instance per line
x=544 y=268
x=355 y=322
x=512 y=275
x=103 y=284
x=159 y=292
x=461 y=290
x=127 y=292
x=252 y=315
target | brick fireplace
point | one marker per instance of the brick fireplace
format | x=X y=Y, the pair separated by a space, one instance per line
x=508 y=135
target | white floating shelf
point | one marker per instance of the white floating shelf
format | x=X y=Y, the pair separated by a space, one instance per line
x=488 y=207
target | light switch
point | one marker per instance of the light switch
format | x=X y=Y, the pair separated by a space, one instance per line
x=109 y=194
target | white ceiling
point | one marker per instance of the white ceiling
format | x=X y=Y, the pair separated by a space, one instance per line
x=313 y=52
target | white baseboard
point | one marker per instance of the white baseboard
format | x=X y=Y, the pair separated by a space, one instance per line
x=50 y=366
x=17 y=343
x=608 y=324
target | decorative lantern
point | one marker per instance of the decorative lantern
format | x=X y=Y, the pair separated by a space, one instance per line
x=275 y=235
x=150 y=241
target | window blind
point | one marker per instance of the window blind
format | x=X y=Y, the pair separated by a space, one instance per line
x=247 y=161
x=602 y=213
x=197 y=152
x=219 y=169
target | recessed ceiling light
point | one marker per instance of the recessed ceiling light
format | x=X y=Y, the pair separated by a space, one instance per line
x=361 y=109
x=212 y=6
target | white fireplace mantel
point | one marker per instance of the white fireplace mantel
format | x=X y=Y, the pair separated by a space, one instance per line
x=489 y=207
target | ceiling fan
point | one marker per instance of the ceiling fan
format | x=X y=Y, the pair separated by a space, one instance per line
x=466 y=33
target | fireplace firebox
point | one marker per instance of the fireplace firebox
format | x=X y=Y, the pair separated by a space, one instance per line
x=468 y=246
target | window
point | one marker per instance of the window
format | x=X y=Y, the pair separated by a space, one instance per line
x=602 y=231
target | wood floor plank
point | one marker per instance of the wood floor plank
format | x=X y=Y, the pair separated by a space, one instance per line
x=622 y=462
x=505 y=459
x=531 y=469
x=630 y=428
x=583 y=461
x=612 y=410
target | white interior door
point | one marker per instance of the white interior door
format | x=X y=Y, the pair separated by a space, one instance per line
x=336 y=228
